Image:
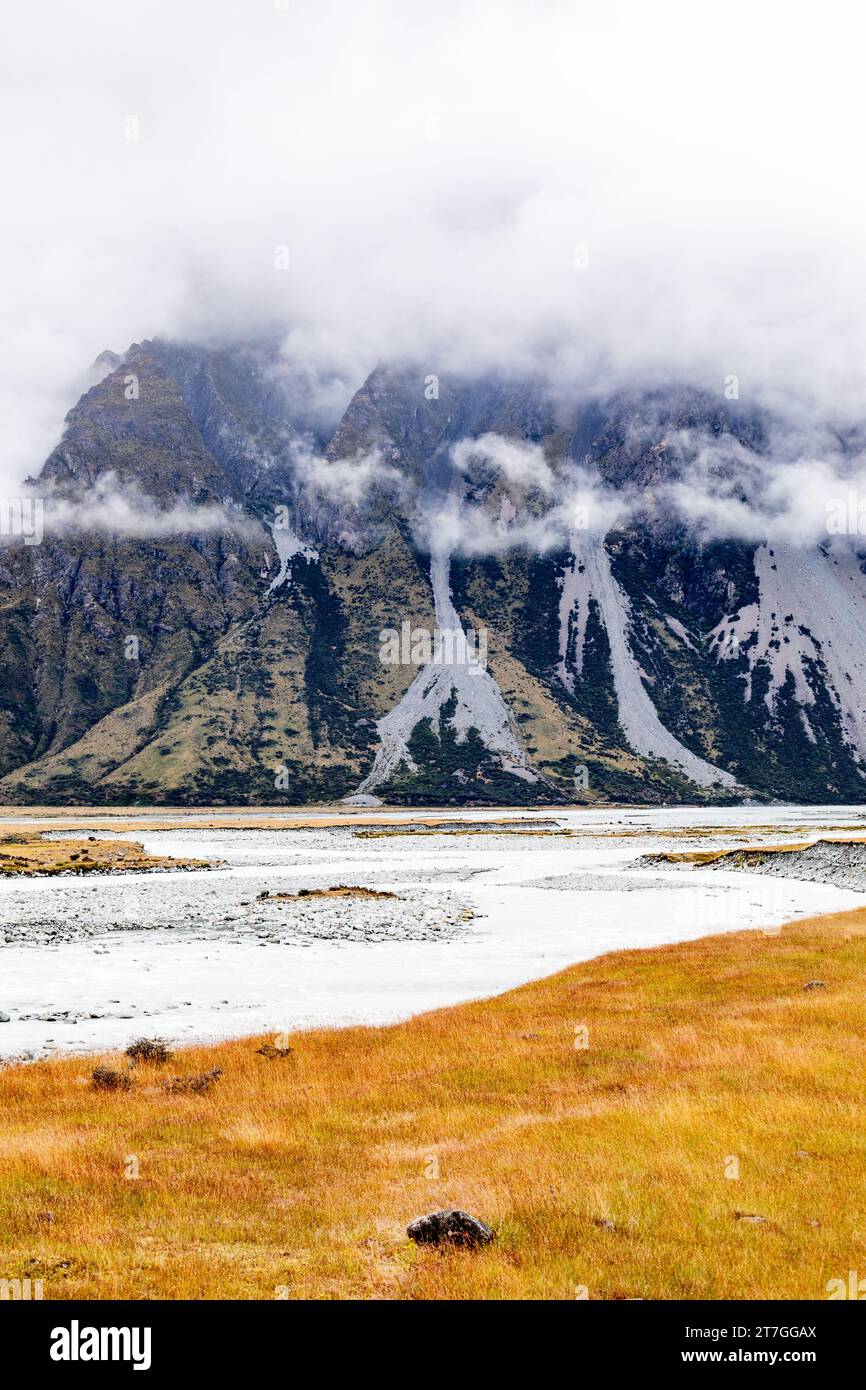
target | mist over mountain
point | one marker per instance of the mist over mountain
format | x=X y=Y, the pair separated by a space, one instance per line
x=596 y=198
x=207 y=616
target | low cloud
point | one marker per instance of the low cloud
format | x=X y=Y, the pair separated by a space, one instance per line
x=786 y=493
x=524 y=465
x=126 y=511
x=575 y=502
x=347 y=481
x=592 y=195
x=719 y=489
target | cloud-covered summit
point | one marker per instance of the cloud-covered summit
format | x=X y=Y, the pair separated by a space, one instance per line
x=598 y=195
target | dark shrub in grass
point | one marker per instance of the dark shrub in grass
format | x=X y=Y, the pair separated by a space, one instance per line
x=271 y=1051
x=192 y=1085
x=106 y=1079
x=154 y=1050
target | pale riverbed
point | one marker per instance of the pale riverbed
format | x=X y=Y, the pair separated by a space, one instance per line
x=88 y=963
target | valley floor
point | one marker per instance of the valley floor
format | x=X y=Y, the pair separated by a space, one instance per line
x=444 y=908
x=709 y=1141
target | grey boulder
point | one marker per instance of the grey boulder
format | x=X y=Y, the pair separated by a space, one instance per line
x=450 y=1228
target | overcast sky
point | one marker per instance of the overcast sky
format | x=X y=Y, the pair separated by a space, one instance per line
x=596 y=191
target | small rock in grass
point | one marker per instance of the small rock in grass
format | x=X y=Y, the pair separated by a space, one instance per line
x=450 y=1228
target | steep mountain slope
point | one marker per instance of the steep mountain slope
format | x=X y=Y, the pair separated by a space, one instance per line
x=233 y=602
x=121 y=598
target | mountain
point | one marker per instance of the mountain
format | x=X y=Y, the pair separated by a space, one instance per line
x=228 y=588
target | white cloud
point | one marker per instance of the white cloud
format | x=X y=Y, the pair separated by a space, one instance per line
x=574 y=499
x=522 y=464
x=434 y=172
x=124 y=510
x=347 y=481
x=792 y=492
x=803 y=489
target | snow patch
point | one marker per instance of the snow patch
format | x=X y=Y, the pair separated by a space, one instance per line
x=678 y=630
x=288 y=545
x=809 y=622
x=479 y=699
x=590 y=576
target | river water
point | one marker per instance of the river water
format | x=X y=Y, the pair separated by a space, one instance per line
x=89 y=963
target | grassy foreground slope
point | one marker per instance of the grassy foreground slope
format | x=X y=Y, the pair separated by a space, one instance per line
x=601 y=1167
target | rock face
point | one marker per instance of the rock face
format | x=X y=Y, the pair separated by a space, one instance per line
x=204 y=627
x=450 y=1228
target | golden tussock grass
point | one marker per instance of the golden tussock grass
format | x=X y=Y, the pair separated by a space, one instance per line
x=25 y=853
x=755 y=853
x=601 y=1167
x=124 y=820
